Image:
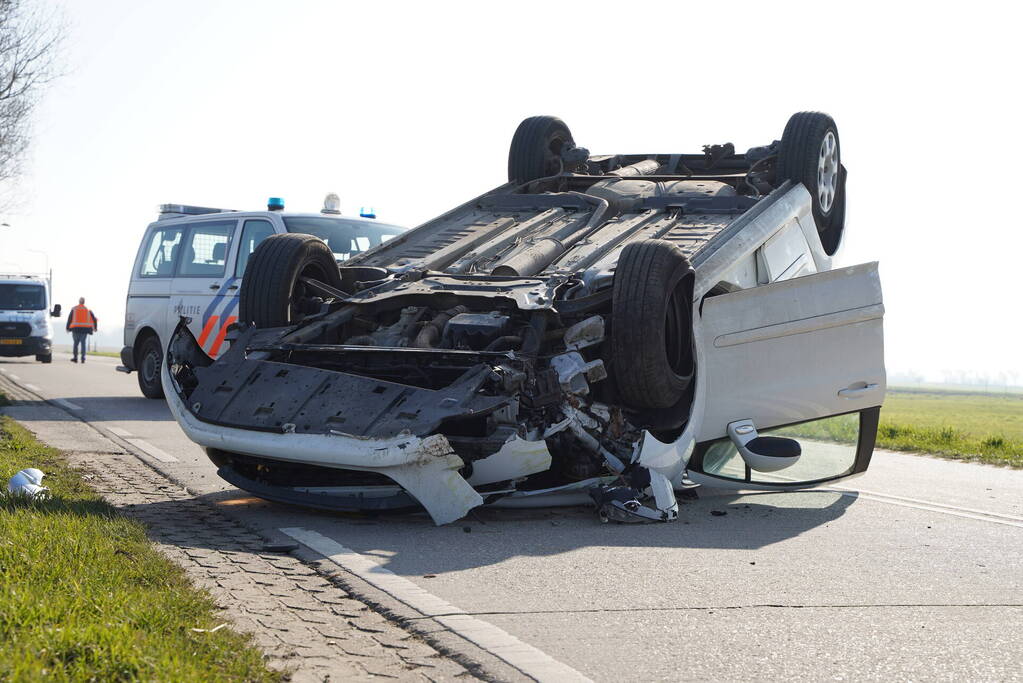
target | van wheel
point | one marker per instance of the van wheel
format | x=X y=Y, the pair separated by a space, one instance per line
x=150 y=359
x=272 y=294
x=44 y=357
x=810 y=154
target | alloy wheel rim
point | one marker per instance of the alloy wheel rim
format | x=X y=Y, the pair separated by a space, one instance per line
x=827 y=172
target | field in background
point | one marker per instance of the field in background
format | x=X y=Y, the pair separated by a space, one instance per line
x=977 y=415
x=976 y=427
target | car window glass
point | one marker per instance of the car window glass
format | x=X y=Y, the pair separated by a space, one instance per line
x=346 y=238
x=205 y=249
x=253 y=233
x=161 y=253
x=828 y=451
x=14 y=297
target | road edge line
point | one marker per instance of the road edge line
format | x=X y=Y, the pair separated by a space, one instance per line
x=523 y=657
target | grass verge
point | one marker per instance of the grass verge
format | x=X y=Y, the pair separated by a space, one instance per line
x=926 y=430
x=85 y=596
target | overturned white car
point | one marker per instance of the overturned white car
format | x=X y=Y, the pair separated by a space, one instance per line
x=617 y=326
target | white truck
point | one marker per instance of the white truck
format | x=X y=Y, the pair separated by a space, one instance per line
x=25 y=313
x=190 y=263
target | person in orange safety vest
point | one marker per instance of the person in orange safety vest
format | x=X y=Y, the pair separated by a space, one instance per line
x=81 y=322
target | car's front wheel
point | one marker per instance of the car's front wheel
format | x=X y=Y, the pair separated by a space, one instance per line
x=44 y=357
x=651 y=327
x=811 y=154
x=273 y=293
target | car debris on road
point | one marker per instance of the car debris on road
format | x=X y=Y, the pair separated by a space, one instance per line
x=617 y=327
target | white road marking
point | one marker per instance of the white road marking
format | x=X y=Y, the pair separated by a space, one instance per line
x=151 y=450
x=59 y=401
x=522 y=656
x=30 y=387
x=117 y=431
x=14 y=377
x=996 y=518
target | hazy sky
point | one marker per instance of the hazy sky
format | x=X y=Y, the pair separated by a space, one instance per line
x=410 y=109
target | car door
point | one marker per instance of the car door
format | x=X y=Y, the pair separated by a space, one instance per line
x=801 y=358
x=202 y=291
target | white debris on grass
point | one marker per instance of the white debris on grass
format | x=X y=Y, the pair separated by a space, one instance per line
x=28 y=483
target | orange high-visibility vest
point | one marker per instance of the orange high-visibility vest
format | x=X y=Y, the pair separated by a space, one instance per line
x=81 y=317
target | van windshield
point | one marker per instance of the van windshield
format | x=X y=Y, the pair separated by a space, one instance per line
x=15 y=297
x=345 y=238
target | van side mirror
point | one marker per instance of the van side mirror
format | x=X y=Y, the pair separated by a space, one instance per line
x=56 y=311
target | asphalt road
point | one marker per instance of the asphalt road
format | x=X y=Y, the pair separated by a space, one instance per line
x=913 y=571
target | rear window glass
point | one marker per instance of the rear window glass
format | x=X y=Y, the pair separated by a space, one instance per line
x=345 y=238
x=14 y=297
x=161 y=253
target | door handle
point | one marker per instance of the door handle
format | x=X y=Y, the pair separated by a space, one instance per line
x=214 y=286
x=233 y=287
x=856 y=392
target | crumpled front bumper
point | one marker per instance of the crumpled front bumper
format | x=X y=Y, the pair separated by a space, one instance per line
x=425 y=467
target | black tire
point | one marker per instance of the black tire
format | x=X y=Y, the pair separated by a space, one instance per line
x=801 y=150
x=271 y=294
x=651 y=325
x=149 y=361
x=535 y=150
x=44 y=357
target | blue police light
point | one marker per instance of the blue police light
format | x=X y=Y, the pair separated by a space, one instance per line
x=275 y=204
x=367 y=212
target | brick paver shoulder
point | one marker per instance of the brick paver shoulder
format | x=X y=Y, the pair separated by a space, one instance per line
x=304 y=623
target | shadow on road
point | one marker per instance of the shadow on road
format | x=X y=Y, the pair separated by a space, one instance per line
x=411 y=544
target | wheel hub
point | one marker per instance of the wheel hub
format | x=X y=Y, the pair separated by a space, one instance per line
x=827 y=172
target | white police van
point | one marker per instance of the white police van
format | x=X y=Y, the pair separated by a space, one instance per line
x=25 y=328
x=191 y=261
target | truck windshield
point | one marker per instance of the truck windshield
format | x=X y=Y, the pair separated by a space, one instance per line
x=345 y=238
x=14 y=297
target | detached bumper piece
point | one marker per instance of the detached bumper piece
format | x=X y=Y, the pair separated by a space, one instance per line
x=626 y=503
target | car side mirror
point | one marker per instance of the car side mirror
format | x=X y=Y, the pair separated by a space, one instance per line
x=56 y=311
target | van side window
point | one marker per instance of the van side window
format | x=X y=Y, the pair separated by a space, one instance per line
x=161 y=253
x=253 y=233
x=205 y=251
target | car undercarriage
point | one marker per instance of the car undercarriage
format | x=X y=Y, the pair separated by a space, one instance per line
x=535 y=345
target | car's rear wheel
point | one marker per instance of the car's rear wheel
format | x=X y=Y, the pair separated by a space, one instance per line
x=272 y=292
x=536 y=148
x=811 y=154
x=150 y=358
x=651 y=325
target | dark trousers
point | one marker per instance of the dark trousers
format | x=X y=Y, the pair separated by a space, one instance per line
x=81 y=338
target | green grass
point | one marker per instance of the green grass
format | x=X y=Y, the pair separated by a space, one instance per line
x=107 y=354
x=84 y=596
x=985 y=428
